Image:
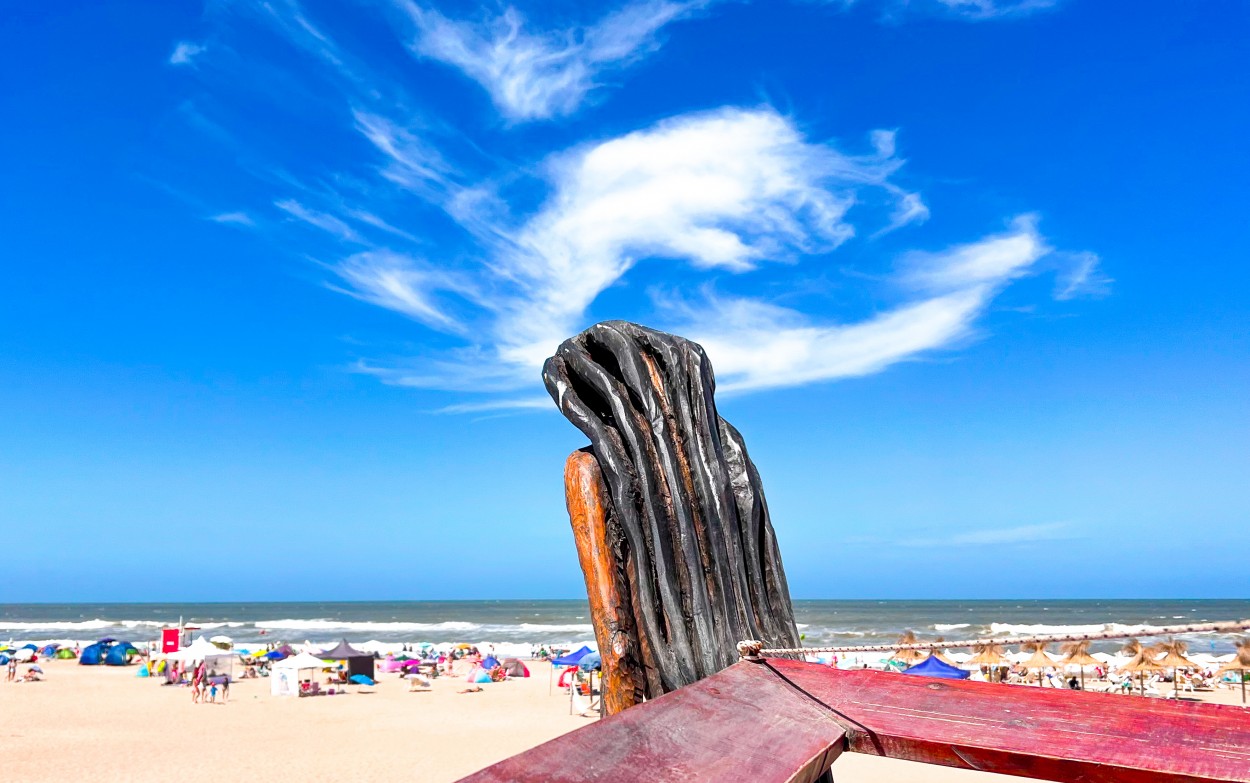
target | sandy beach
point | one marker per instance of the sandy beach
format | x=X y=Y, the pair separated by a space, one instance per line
x=106 y=724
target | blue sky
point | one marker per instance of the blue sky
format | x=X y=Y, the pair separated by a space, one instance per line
x=279 y=277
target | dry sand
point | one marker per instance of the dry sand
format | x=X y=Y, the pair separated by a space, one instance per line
x=104 y=724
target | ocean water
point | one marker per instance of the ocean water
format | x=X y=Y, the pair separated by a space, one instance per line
x=822 y=622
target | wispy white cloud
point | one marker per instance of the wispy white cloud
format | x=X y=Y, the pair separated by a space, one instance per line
x=995 y=9
x=185 y=53
x=756 y=345
x=547 y=74
x=403 y=284
x=1004 y=536
x=1080 y=275
x=322 y=220
x=235 y=218
x=727 y=191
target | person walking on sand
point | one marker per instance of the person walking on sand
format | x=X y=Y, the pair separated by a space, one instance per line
x=12 y=671
x=225 y=688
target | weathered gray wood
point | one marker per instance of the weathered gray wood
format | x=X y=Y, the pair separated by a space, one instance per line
x=689 y=525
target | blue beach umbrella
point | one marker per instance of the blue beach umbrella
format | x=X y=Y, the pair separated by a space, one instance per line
x=590 y=662
x=362 y=679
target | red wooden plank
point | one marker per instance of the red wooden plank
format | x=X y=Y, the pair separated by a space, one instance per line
x=1032 y=732
x=741 y=724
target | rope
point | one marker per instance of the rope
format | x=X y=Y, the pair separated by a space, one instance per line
x=753 y=650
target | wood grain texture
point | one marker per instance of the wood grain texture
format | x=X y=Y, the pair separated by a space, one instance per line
x=1032 y=732
x=784 y=721
x=729 y=727
x=606 y=584
x=688 y=524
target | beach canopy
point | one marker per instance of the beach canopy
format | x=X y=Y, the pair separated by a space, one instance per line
x=342 y=652
x=590 y=662
x=301 y=661
x=358 y=661
x=936 y=667
x=572 y=658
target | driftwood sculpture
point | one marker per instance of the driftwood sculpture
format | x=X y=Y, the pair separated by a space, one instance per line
x=668 y=513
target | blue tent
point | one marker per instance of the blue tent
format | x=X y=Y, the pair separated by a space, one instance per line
x=92 y=655
x=29 y=647
x=49 y=650
x=119 y=654
x=490 y=662
x=572 y=658
x=590 y=662
x=934 y=667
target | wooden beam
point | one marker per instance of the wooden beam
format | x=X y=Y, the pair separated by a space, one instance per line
x=787 y=721
x=1032 y=732
x=741 y=724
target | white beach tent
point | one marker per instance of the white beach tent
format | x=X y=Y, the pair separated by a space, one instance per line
x=285 y=675
x=197 y=651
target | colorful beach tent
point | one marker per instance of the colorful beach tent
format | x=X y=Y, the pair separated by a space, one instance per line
x=572 y=658
x=489 y=662
x=65 y=653
x=92 y=655
x=513 y=667
x=49 y=650
x=935 y=667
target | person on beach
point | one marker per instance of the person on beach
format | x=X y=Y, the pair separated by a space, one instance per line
x=12 y=671
x=225 y=688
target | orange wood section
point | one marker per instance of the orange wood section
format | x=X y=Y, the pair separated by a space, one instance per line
x=587 y=501
x=781 y=721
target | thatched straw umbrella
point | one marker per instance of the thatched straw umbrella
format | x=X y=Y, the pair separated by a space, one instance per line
x=1077 y=654
x=1143 y=661
x=1240 y=664
x=1040 y=660
x=939 y=652
x=987 y=655
x=1174 y=658
x=909 y=657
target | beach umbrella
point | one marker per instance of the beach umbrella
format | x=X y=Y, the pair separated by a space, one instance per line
x=940 y=652
x=1240 y=664
x=36 y=669
x=362 y=679
x=987 y=655
x=908 y=657
x=1143 y=661
x=1039 y=660
x=1077 y=654
x=1174 y=658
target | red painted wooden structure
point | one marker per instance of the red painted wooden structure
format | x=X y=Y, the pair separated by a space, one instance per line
x=781 y=721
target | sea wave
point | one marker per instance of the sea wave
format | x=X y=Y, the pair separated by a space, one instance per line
x=572 y=627
x=949 y=626
x=85 y=625
x=347 y=625
x=1011 y=629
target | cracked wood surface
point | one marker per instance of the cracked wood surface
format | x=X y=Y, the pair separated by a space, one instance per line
x=787 y=721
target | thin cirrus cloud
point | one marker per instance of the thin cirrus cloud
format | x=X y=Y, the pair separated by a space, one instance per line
x=1005 y=536
x=540 y=75
x=995 y=9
